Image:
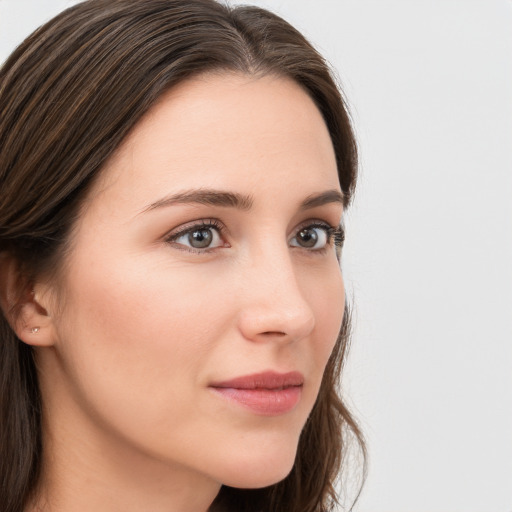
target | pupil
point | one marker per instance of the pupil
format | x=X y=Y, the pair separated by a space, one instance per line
x=308 y=237
x=200 y=238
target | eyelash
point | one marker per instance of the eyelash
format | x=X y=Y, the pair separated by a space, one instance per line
x=335 y=235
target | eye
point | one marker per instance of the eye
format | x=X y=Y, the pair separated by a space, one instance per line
x=314 y=237
x=199 y=237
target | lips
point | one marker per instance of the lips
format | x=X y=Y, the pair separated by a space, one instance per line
x=267 y=393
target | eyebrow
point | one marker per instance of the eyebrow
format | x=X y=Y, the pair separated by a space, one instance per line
x=206 y=197
x=226 y=199
x=315 y=200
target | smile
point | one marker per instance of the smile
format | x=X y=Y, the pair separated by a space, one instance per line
x=266 y=394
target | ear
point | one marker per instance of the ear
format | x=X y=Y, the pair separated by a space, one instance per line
x=21 y=305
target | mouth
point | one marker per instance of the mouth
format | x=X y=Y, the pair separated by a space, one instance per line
x=267 y=394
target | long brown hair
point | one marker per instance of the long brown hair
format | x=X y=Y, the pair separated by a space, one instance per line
x=69 y=95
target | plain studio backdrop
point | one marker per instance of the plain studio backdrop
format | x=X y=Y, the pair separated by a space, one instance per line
x=428 y=257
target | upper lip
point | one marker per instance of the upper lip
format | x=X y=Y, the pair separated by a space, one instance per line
x=263 y=380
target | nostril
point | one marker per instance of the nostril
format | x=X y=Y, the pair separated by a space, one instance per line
x=273 y=333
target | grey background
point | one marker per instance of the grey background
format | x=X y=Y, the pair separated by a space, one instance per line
x=428 y=259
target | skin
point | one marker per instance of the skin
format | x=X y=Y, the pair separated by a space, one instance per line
x=139 y=326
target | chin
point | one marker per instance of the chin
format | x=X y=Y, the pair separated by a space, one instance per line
x=257 y=479
x=260 y=471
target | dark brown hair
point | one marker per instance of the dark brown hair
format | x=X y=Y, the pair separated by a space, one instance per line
x=69 y=95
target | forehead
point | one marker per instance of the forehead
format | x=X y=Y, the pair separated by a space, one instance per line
x=225 y=131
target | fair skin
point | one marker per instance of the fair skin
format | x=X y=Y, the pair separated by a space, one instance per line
x=141 y=323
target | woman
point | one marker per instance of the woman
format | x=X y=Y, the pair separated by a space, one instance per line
x=172 y=179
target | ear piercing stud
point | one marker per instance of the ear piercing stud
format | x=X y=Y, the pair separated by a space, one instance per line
x=35 y=330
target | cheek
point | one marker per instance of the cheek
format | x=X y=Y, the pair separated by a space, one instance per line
x=328 y=303
x=130 y=334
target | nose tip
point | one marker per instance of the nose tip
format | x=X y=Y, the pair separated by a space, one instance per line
x=278 y=312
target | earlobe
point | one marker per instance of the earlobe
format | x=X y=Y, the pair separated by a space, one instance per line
x=20 y=306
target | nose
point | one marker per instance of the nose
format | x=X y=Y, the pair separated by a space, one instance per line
x=273 y=307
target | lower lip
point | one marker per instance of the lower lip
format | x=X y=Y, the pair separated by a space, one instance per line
x=267 y=402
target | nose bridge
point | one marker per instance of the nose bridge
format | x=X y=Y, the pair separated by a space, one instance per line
x=274 y=305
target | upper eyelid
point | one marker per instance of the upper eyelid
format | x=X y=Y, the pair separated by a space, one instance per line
x=195 y=224
x=316 y=223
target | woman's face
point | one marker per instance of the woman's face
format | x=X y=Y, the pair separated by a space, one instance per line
x=202 y=295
